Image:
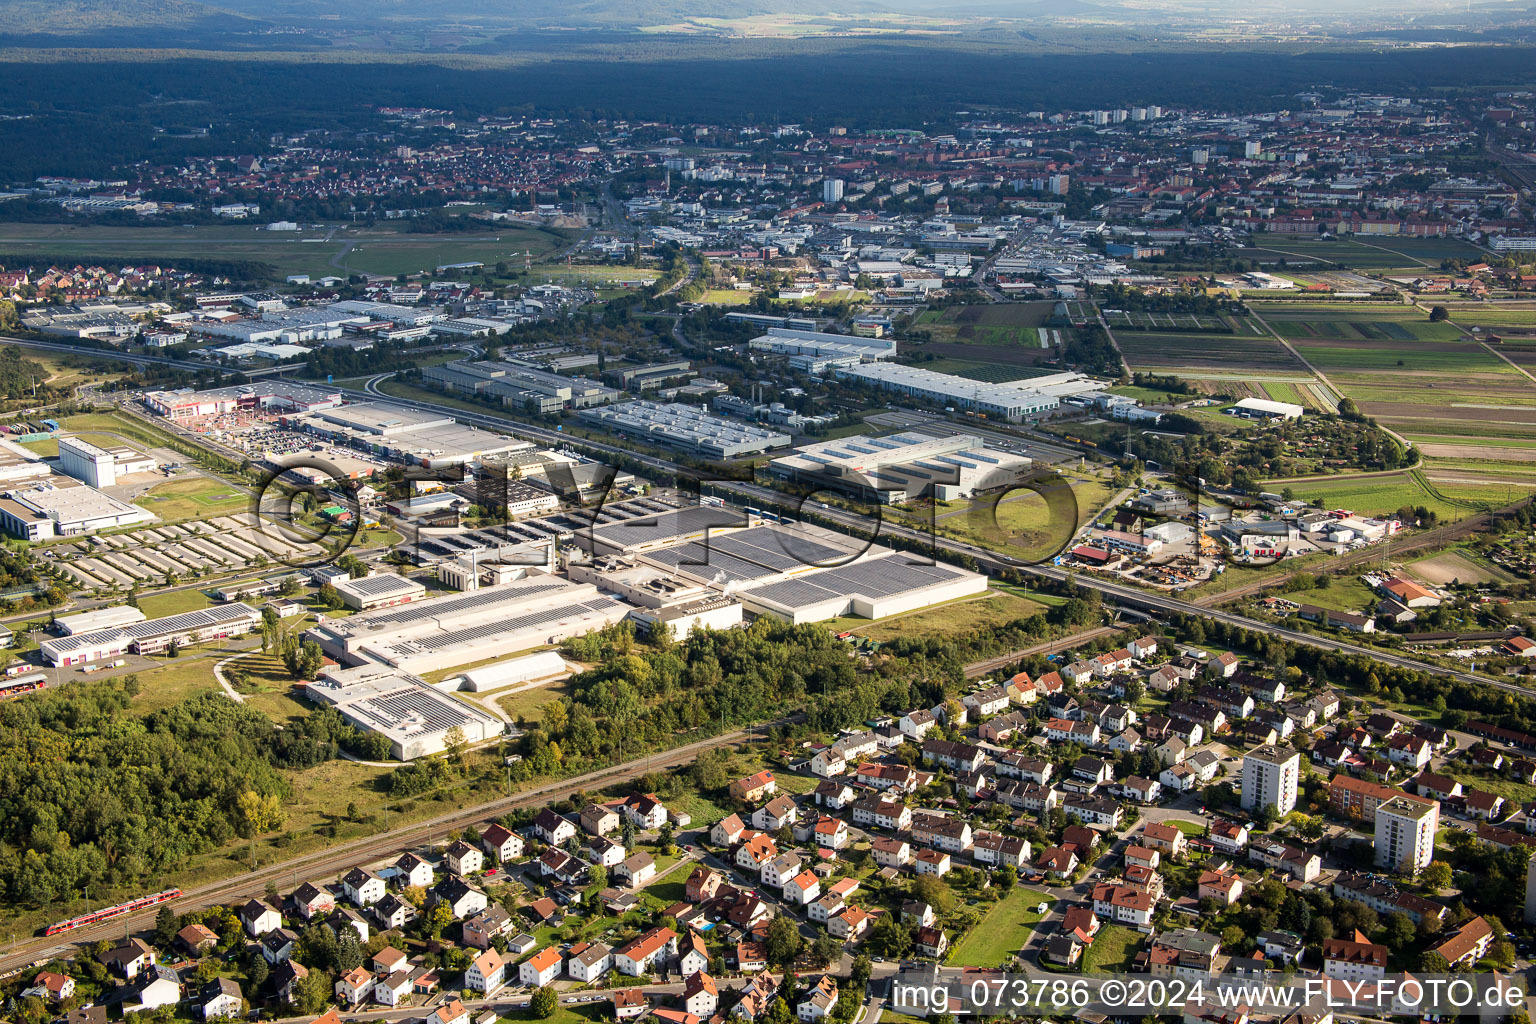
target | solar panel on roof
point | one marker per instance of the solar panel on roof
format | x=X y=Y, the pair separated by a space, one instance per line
x=794 y=593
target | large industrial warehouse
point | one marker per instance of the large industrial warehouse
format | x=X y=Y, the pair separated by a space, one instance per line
x=153 y=636
x=686 y=428
x=800 y=574
x=404 y=708
x=900 y=467
x=442 y=632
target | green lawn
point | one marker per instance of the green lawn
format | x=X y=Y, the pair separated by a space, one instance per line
x=1343 y=594
x=1376 y=494
x=173 y=602
x=196 y=497
x=529 y=704
x=995 y=609
x=1189 y=828
x=1000 y=934
x=1112 y=950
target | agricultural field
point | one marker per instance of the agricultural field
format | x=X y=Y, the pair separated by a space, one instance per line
x=1486 y=314
x=1384 y=493
x=314 y=251
x=1302 y=394
x=1002 y=325
x=1205 y=353
x=1368 y=328
x=1456 y=565
x=1139 y=320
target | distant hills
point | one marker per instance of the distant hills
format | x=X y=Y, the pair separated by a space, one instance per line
x=487 y=26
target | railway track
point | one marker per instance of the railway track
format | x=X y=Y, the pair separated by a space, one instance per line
x=333 y=861
x=981 y=668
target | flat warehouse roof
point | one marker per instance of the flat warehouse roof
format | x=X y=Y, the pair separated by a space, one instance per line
x=876 y=578
x=678 y=523
x=376 y=586
x=445 y=610
x=531 y=620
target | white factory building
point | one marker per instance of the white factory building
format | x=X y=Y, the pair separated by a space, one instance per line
x=98 y=618
x=382 y=590
x=19 y=465
x=151 y=636
x=284 y=326
x=685 y=427
x=526 y=668
x=815 y=352
x=1010 y=400
x=1263 y=408
x=442 y=632
x=100 y=467
x=61 y=507
x=901 y=467
x=407 y=710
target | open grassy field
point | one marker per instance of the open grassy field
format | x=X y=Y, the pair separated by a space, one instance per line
x=173 y=603
x=998 y=935
x=592 y=274
x=528 y=704
x=313 y=251
x=411 y=254
x=1344 y=594
x=980 y=612
x=1026 y=523
x=726 y=297
x=135 y=431
x=196 y=497
x=1112 y=950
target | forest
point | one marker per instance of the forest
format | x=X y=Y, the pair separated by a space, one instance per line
x=641 y=696
x=98 y=797
x=86 y=117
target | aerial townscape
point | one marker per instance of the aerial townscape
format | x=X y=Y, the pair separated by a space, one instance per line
x=692 y=513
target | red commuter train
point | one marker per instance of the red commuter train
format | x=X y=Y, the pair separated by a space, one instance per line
x=118 y=910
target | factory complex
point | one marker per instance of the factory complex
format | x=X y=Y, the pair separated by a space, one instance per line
x=902 y=467
x=676 y=569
